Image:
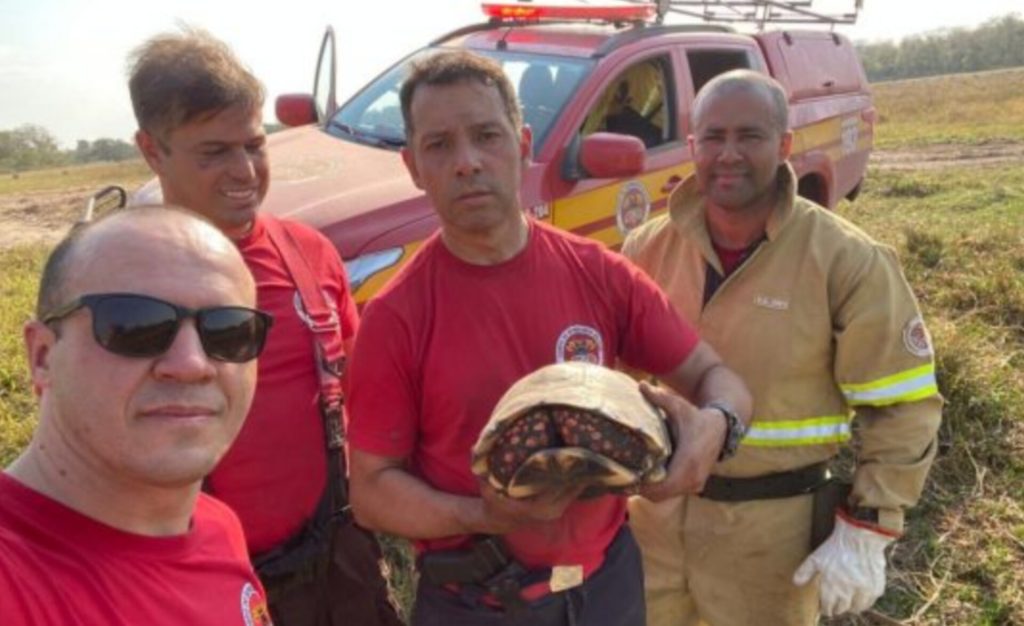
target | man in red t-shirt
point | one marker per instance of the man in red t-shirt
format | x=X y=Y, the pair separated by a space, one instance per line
x=201 y=132
x=490 y=298
x=142 y=353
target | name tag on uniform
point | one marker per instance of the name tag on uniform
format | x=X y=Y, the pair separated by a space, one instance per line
x=566 y=577
x=768 y=302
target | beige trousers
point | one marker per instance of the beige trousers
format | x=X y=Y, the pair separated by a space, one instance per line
x=725 y=564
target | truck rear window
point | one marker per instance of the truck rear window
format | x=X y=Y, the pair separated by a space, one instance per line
x=706 y=64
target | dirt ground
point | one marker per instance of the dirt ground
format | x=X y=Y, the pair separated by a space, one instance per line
x=949 y=155
x=44 y=216
x=40 y=216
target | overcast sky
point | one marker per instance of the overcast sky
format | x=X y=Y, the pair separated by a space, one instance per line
x=62 y=62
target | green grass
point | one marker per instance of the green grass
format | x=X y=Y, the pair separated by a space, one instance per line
x=963 y=108
x=960 y=234
x=129 y=174
x=19 y=272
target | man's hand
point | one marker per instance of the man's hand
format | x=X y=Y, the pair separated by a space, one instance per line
x=851 y=563
x=503 y=514
x=699 y=436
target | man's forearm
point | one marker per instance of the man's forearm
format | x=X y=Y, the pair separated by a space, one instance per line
x=704 y=378
x=897 y=447
x=395 y=501
x=721 y=384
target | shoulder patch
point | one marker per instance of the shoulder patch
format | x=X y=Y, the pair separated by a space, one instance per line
x=254 y=607
x=916 y=339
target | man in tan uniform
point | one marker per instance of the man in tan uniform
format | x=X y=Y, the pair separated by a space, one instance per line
x=821 y=324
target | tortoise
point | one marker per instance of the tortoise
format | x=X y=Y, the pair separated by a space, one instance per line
x=570 y=424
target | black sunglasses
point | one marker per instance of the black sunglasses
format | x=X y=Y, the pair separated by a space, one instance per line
x=134 y=325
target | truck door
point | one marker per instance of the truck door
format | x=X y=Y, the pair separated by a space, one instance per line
x=639 y=98
x=324 y=94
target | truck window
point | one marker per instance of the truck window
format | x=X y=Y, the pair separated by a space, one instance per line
x=706 y=64
x=637 y=102
x=543 y=85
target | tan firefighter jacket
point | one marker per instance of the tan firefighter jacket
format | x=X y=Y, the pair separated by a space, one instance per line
x=820 y=323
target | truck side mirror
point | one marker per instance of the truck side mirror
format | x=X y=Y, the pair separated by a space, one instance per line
x=604 y=155
x=295 y=109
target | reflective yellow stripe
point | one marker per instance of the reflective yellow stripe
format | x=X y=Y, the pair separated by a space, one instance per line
x=907 y=386
x=805 y=432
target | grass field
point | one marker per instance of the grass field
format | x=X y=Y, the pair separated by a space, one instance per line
x=963 y=108
x=92 y=176
x=960 y=232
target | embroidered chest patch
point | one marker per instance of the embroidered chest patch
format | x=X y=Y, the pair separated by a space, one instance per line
x=580 y=343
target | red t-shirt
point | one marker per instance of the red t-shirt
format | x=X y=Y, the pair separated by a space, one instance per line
x=275 y=472
x=61 y=568
x=445 y=339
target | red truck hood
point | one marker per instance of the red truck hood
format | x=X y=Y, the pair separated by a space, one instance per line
x=319 y=180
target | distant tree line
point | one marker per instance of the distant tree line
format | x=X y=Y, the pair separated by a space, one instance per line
x=29 y=147
x=995 y=44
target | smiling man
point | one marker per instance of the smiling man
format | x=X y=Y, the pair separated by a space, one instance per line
x=821 y=324
x=142 y=353
x=201 y=132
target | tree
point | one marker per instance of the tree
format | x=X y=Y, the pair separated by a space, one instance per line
x=997 y=43
x=29 y=146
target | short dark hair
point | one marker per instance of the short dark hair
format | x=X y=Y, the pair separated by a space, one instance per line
x=746 y=80
x=51 y=284
x=454 y=66
x=175 y=78
x=57 y=268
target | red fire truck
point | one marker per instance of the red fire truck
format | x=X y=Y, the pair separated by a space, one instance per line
x=581 y=72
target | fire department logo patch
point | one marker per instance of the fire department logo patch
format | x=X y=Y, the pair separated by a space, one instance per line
x=580 y=343
x=916 y=338
x=632 y=207
x=254 y=607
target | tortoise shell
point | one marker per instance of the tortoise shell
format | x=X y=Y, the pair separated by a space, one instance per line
x=572 y=424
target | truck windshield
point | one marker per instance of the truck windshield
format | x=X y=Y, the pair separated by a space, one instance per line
x=543 y=85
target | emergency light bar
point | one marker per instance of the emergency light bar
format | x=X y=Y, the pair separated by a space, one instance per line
x=606 y=12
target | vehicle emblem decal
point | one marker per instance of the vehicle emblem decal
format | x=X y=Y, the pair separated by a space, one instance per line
x=632 y=207
x=849 y=134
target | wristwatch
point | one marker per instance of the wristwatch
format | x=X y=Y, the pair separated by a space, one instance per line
x=735 y=430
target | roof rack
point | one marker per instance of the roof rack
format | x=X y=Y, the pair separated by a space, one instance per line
x=758 y=12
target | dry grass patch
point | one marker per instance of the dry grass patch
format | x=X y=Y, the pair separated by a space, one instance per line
x=958 y=108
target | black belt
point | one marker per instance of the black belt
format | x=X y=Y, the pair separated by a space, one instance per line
x=485 y=568
x=770 y=486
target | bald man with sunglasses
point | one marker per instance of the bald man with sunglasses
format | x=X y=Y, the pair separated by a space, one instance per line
x=142 y=353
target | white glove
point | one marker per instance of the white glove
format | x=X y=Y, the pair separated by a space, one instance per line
x=852 y=567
